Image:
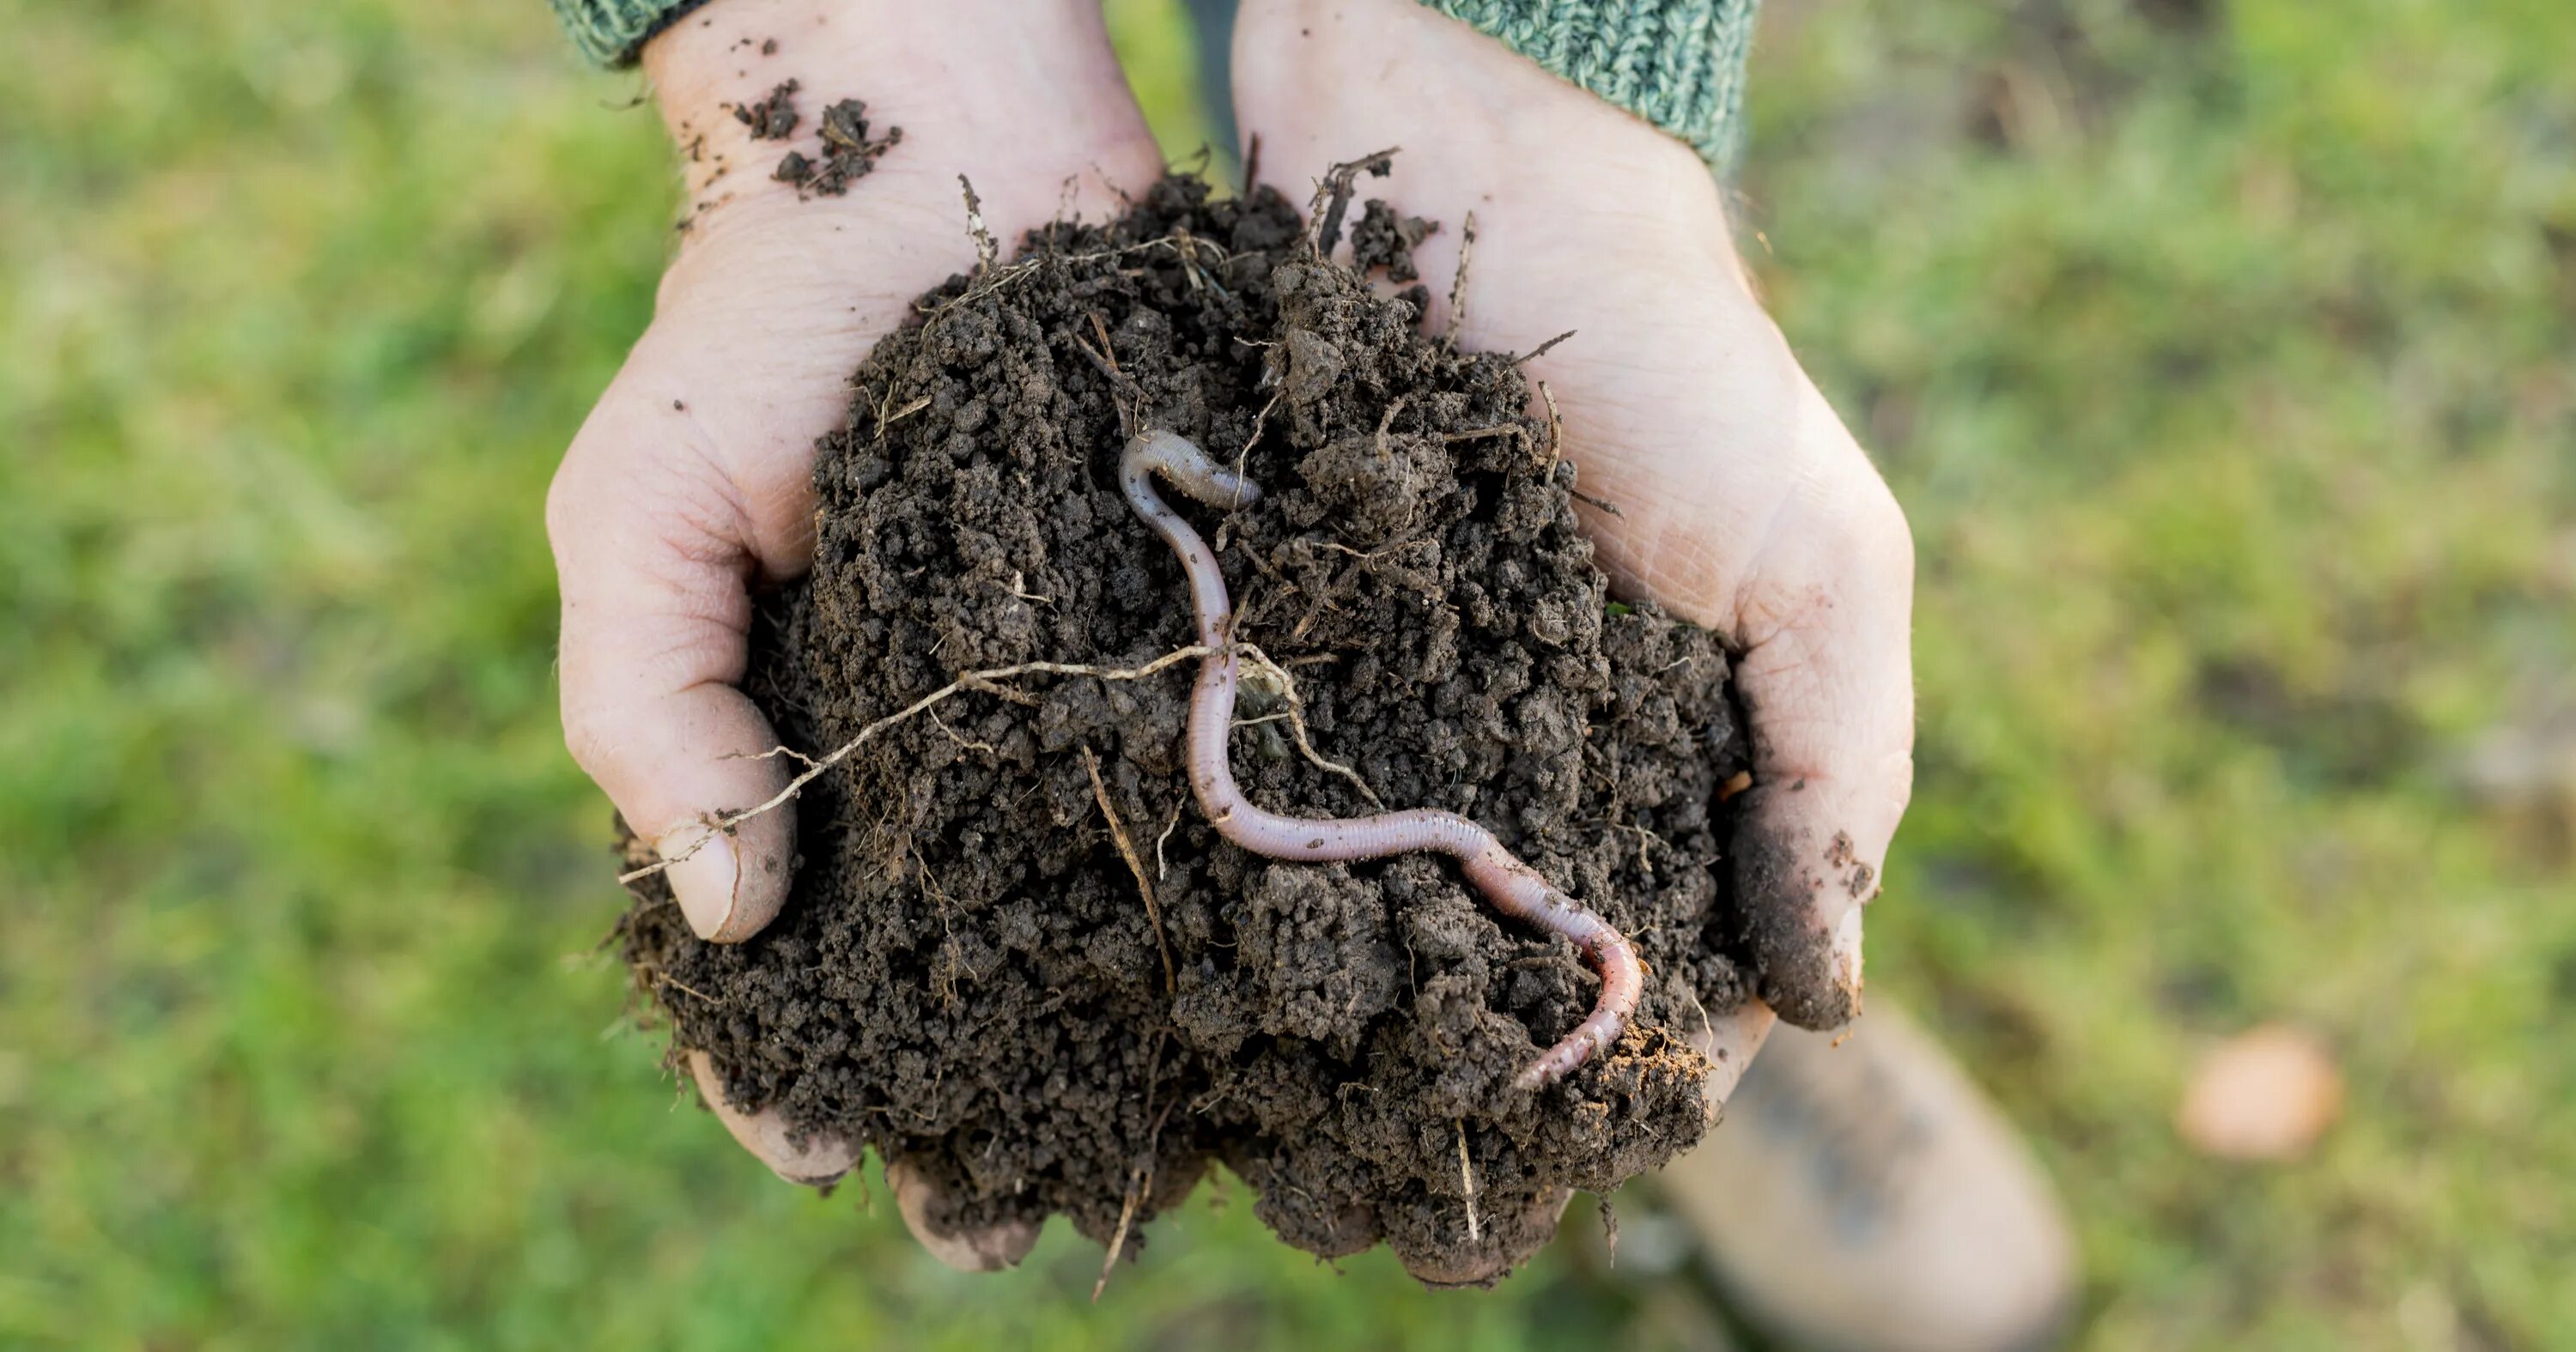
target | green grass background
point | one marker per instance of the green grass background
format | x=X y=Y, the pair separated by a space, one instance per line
x=2221 y=352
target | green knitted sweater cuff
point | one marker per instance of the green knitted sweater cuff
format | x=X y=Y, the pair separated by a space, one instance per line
x=611 y=32
x=1676 y=63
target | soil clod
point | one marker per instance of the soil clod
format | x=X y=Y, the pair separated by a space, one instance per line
x=1385 y=239
x=774 y=117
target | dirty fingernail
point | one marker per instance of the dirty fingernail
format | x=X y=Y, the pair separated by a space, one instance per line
x=986 y=1249
x=705 y=876
x=812 y=1162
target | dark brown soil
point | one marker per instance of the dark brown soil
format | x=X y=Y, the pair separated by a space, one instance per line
x=1384 y=239
x=774 y=117
x=966 y=977
x=848 y=153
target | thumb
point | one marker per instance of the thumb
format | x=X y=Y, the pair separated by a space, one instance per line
x=1826 y=677
x=651 y=555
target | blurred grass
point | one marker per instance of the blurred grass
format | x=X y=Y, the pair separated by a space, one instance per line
x=2225 y=357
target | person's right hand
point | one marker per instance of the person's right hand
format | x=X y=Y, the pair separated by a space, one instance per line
x=691 y=482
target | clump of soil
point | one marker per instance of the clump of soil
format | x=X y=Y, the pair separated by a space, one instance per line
x=774 y=117
x=1384 y=239
x=967 y=978
x=848 y=153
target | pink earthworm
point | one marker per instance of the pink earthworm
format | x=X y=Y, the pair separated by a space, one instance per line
x=1513 y=888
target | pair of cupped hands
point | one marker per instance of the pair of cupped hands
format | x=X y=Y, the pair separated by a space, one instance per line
x=1744 y=504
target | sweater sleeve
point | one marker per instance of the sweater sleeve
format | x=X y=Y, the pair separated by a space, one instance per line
x=1676 y=63
x=611 y=32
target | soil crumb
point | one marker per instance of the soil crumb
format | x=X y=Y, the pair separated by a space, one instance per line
x=774 y=117
x=848 y=154
x=968 y=978
x=1386 y=240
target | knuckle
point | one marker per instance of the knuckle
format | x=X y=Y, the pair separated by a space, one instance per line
x=564 y=496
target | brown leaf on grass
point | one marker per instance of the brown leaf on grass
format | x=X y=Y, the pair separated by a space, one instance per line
x=2265 y=1094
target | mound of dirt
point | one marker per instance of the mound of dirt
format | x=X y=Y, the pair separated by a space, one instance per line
x=969 y=977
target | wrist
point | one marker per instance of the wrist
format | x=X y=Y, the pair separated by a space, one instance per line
x=1473 y=111
x=1676 y=66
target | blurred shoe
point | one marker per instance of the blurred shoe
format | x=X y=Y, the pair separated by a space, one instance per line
x=1866 y=1198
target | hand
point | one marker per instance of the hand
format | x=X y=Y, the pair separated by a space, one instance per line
x=691 y=481
x=1743 y=503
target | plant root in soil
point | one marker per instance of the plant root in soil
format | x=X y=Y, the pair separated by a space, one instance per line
x=1514 y=888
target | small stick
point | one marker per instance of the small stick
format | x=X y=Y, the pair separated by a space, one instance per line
x=1510 y=886
x=1127 y=851
x=1108 y=350
x=1604 y=504
x=987 y=249
x=1458 y=283
x=1333 y=196
x=1541 y=350
x=1555 y=426
x=1118 y=1237
x=900 y=414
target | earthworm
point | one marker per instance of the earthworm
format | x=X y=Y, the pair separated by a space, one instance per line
x=1513 y=888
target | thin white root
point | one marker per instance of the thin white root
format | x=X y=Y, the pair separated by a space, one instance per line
x=1297 y=721
x=969 y=681
x=1118 y=1237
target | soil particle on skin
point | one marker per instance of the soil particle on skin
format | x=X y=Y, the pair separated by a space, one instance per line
x=774 y=117
x=967 y=979
x=848 y=153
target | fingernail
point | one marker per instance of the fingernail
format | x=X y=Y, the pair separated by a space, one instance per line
x=811 y=1163
x=1846 y=954
x=988 y=1248
x=705 y=875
